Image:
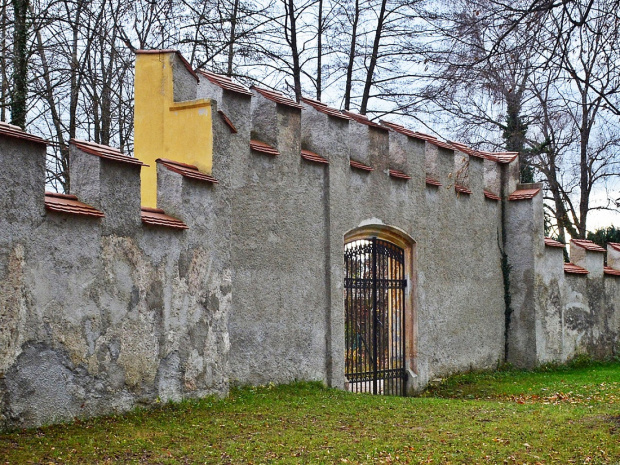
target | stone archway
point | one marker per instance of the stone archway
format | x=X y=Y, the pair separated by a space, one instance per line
x=379 y=310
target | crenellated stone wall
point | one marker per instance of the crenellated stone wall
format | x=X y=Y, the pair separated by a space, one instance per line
x=99 y=315
x=559 y=310
x=238 y=275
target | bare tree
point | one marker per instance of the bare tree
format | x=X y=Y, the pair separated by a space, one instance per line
x=373 y=57
x=21 y=54
x=552 y=79
x=4 y=62
x=588 y=78
x=351 y=58
x=485 y=95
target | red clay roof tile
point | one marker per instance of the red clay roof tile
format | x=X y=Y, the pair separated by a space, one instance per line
x=363 y=119
x=614 y=245
x=524 y=194
x=417 y=135
x=574 y=269
x=498 y=157
x=16 y=132
x=188 y=171
x=315 y=157
x=398 y=128
x=551 y=243
x=228 y=122
x=433 y=140
x=157 y=217
x=432 y=182
x=276 y=97
x=588 y=245
x=261 y=147
x=462 y=189
x=501 y=157
x=320 y=106
x=608 y=270
x=185 y=62
x=64 y=203
x=104 y=151
x=360 y=166
x=399 y=175
x=490 y=195
x=468 y=150
x=225 y=82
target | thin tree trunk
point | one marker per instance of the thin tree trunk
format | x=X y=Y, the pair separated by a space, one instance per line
x=5 y=87
x=319 y=47
x=584 y=181
x=231 y=45
x=63 y=176
x=106 y=96
x=373 y=59
x=348 y=84
x=20 y=64
x=561 y=214
x=291 y=38
x=74 y=92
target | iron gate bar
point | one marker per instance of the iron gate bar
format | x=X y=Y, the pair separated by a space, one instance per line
x=374 y=317
x=374 y=313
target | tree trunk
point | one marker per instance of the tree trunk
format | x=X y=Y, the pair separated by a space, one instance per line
x=349 y=82
x=4 y=89
x=48 y=92
x=514 y=134
x=319 y=53
x=373 y=59
x=75 y=91
x=291 y=38
x=584 y=181
x=231 y=45
x=20 y=64
x=561 y=213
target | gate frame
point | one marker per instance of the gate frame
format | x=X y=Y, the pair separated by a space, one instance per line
x=401 y=239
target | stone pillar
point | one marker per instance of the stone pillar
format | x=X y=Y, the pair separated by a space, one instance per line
x=524 y=247
x=22 y=183
x=109 y=185
x=588 y=255
x=613 y=255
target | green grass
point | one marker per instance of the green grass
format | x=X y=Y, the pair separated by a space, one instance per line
x=555 y=415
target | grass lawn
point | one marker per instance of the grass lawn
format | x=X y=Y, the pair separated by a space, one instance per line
x=561 y=415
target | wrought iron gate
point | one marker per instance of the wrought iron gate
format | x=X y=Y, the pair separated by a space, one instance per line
x=374 y=323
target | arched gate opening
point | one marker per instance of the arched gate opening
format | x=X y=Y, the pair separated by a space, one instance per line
x=375 y=327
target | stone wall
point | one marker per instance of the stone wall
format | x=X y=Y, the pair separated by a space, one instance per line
x=238 y=278
x=559 y=310
x=290 y=218
x=99 y=315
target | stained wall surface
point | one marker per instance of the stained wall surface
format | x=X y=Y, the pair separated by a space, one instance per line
x=558 y=310
x=239 y=276
x=99 y=315
x=290 y=217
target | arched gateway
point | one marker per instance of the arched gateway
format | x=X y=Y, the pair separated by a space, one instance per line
x=375 y=316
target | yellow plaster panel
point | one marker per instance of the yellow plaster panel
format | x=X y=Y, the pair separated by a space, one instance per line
x=179 y=131
x=189 y=142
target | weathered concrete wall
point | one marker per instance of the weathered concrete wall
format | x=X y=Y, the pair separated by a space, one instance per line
x=101 y=315
x=557 y=312
x=290 y=218
x=278 y=330
x=578 y=313
x=524 y=248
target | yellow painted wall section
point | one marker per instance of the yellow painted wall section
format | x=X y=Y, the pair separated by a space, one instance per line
x=179 y=131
